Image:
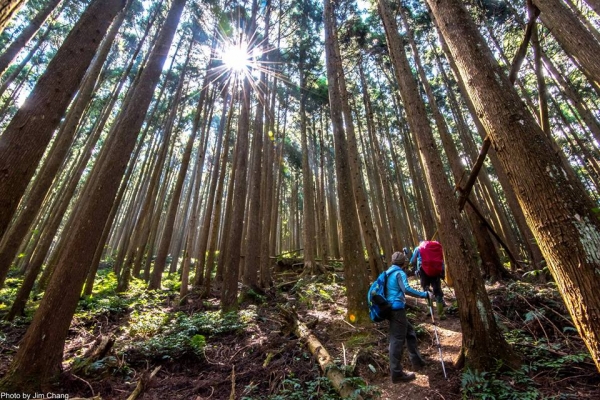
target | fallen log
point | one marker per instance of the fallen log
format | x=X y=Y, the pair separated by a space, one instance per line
x=335 y=375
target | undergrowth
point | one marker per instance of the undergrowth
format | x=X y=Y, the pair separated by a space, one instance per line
x=536 y=324
x=179 y=334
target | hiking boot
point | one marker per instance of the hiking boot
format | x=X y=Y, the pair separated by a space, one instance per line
x=419 y=364
x=440 y=310
x=405 y=377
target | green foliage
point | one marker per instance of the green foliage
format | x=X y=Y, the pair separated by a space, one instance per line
x=146 y=323
x=542 y=355
x=536 y=272
x=180 y=334
x=172 y=281
x=105 y=299
x=198 y=343
x=8 y=292
x=104 y=366
x=359 y=340
x=420 y=330
x=254 y=296
x=362 y=389
x=488 y=385
x=314 y=292
x=293 y=388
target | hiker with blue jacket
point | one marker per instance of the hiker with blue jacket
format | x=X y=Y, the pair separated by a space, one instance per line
x=401 y=330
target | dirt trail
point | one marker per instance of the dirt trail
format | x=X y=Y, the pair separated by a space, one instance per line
x=338 y=336
x=430 y=382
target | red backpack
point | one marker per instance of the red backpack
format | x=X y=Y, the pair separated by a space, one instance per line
x=432 y=258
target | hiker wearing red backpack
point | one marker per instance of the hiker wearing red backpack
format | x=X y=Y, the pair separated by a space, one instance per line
x=429 y=260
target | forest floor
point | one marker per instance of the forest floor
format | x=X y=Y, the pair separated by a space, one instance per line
x=253 y=354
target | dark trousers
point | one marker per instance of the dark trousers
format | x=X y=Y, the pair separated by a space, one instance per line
x=402 y=331
x=435 y=283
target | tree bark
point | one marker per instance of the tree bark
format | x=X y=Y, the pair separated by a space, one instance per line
x=38 y=360
x=56 y=156
x=26 y=34
x=252 y=259
x=357 y=279
x=165 y=241
x=23 y=142
x=212 y=220
x=491 y=263
x=232 y=263
x=572 y=35
x=360 y=196
x=8 y=8
x=534 y=251
x=568 y=235
x=483 y=342
x=309 y=230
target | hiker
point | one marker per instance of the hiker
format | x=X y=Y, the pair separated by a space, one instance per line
x=401 y=330
x=429 y=260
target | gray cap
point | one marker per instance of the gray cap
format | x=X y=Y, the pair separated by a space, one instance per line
x=398 y=258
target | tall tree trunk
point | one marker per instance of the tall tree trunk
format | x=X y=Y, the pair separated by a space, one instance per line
x=354 y=263
x=163 y=248
x=23 y=142
x=231 y=272
x=266 y=195
x=388 y=221
x=570 y=234
x=491 y=263
x=212 y=219
x=234 y=246
x=26 y=34
x=227 y=215
x=483 y=342
x=56 y=156
x=252 y=260
x=572 y=35
x=509 y=192
x=8 y=8
x=360 y=196
x=38 y=360
x=309 y=231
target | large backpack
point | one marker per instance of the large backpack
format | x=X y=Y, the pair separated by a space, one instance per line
x=432 y=258
x=379 y=307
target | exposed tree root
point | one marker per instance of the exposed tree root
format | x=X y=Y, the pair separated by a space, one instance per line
x=98 y=351
x=143 y=383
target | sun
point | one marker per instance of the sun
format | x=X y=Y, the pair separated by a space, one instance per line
x=236 y=58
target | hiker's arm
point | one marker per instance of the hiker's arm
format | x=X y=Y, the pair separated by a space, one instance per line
x=403 y=280
x=415 y=255
x=414 y=261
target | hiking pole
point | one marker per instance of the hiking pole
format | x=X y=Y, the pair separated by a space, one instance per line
x=437 y=339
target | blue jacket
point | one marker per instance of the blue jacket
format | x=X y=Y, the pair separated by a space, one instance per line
x=397 y=287
x=416 y=260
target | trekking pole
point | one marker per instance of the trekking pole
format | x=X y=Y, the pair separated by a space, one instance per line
x=437 y=339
